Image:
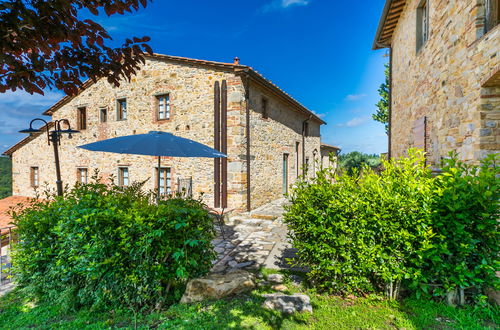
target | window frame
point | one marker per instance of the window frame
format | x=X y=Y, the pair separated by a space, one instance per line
x=264 y=104
x=81 y=118
x=121 y=111
x=423 y=24
x=105 y=111
x=34 y=176
x=166 y=178
x=491 y=14
x=121 y=176
x=167 y=106
x=79 y=172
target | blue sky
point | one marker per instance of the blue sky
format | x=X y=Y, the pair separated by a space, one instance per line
x=319 y=51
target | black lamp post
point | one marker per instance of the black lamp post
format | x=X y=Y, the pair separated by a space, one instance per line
x=54 y=136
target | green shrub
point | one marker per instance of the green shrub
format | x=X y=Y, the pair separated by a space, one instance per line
x=101 y=245
x=355 y=160
x=465 y=246
x=370 y=232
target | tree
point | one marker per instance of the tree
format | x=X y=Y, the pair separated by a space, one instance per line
x=355 y=160
x=45 y=45
x=382 y=114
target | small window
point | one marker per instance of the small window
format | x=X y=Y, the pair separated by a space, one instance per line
x=121 y=113
x=492 y=14
x=163 y=107
x=83 y=175
x=82 y=118
x=306 y=129
x=422 y=24
x=165 y=180
x=34 y=176
x=264 y=108
x=103 y=115
x=123 y=178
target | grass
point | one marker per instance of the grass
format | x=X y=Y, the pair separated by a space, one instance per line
x=18 y=311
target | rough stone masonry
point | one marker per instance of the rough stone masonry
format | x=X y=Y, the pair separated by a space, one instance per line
x=269 y=135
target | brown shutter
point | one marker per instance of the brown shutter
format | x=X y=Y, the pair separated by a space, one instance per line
x=419 y=136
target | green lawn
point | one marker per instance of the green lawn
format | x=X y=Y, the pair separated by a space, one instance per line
x=17 y=311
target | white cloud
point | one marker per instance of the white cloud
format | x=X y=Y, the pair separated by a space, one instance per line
x=17 y=109
x=283 y=4
x=354 y=122
x=354 y=97
x=288 y=3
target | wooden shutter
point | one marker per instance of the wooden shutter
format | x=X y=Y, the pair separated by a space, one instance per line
x=419 y=136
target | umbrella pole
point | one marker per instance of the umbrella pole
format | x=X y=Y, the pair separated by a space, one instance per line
x=158 y=178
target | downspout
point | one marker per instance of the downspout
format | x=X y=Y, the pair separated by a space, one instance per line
x=389 y=121
x=304 y=142
x=247 y=129
x=389 y=133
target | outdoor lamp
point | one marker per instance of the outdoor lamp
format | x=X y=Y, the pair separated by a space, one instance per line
x=53 y=136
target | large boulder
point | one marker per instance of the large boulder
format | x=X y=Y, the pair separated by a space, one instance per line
x=288 y=304
x=216 y=286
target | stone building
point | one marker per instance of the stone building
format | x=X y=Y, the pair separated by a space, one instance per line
x=329 y=155
x=268 y=135
x=445 y=76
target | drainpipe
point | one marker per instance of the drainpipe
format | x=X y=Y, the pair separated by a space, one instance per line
x=304 y=142
x=247 y=129
x=389 y=133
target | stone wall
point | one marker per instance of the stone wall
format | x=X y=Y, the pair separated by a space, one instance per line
x=273 y=137
x=190 y=88
x=191 y=94
x=442 y=81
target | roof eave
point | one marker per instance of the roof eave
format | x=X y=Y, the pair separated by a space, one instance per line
x=376 y=43
x=263 y=81
x=394 y=9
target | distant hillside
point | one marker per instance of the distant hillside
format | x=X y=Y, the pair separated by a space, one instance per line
x=5 y=177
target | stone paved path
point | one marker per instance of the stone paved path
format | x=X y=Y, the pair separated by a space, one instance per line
x=253 y=240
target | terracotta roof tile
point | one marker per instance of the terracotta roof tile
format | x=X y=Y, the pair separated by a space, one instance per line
x=6 y=204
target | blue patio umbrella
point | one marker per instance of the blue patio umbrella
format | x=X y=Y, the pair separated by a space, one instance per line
x=154 y=143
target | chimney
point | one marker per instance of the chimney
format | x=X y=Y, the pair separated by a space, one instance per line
x=236 y=61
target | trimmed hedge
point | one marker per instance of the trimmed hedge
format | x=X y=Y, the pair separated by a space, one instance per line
x=370 y=232
x=99 y=246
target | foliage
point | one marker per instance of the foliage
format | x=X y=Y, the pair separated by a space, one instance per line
x=371 y=232
x=354 y=161
x=5 y=177
x=100 y=246
x=464 y=251
x=45 y=44
x=382 y=114
x=20 y=312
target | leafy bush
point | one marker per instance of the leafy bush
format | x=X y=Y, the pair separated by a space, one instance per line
x=465 y=246
x=370 y=232
x=354 y=161
x=101 y=245
x=5 y=177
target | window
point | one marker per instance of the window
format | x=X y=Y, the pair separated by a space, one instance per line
x=422 y=24
x=165 y=180
x=34 y=176
x=306 y=128
x=83 y=175
x=492 y=14
x=163 y=107
x=81 y=118
x=121 y=113
x=264 y=108
x=103 y=115
x=123 y=178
